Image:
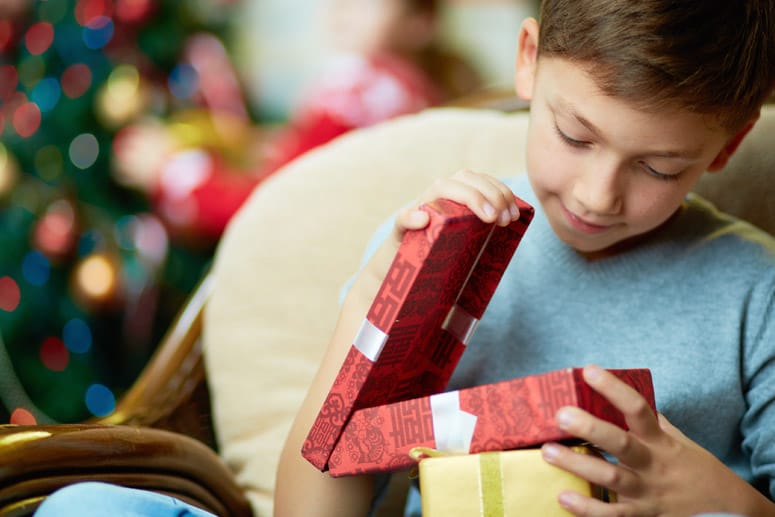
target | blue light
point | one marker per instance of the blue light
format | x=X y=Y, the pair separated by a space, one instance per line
x=36 y=268
x=46 y=94
x=77 y=336
x=90 y=241
x=183 y=81
x=98 y=33
x=100 y=401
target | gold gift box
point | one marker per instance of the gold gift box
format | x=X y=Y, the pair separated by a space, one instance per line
x=497 y=484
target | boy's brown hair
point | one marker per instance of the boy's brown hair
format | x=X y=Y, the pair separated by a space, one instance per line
x=713 y=57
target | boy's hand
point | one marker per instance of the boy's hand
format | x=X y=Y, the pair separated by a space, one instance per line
x=486 y=196
x=660 y=471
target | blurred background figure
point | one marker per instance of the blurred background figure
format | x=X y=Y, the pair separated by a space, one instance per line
x=132 y=130
x=385 y=60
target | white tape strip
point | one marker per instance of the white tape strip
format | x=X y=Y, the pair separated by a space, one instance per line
x=370 y=340
x=460 y=324
x=453 y=428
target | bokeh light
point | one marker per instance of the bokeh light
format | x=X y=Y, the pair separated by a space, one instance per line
x=131 y=11
x=55 y=231
x=9 y=169
x=39 y=38
x=122 y=97
x=36 y=268
x=31 y=70
x=6 y=34
x=49 y=162
x=9 y=78
x=52 y=11
x=54 y=355
x=84 y=150
x=183 y=81
x=90 y=241
x=96 y=278
x=77 y=336
x=151 y=239
x=46 y=94
x=76 y=80
x=87 y=11
x=122 y=231
x=100 y=401
x=21 y=416
x=26 y=119
x=98 y=32
x=10 y=294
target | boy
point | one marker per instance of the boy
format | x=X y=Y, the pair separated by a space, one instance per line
x=631 y=102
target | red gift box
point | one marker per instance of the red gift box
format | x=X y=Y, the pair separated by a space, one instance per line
x=434 y=293
x=506 y=415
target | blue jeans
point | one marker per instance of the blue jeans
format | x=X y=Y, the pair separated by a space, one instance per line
x=101 y=499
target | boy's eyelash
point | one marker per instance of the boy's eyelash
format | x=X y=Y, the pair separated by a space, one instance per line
x=581 y=144
x=660 y=175
x=568 y=140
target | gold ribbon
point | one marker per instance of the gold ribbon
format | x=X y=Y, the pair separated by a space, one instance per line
x=490 y=478
x=490 y=484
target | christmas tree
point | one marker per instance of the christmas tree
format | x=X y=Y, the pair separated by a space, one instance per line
x=90 y=276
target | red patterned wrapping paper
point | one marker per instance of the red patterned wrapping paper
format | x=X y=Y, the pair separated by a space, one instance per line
x=512 y=414
x=416 y=329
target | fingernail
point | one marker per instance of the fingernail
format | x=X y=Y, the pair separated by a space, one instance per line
x=592 y=373
x=567 y=499
x=504 y=218
x=550 y=451
x=489 y=210
x=514 y=211
x=564 y=418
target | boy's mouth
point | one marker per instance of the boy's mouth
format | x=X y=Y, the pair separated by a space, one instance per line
x=581 y=224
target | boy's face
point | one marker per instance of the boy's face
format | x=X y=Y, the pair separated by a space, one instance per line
x=605 y=172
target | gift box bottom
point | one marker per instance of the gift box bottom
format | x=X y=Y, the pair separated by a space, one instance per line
x=497 y=484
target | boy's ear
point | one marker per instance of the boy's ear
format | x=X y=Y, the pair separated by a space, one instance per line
x=527 y=59
x=722 y=158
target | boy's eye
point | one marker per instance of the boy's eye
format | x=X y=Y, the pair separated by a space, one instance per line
x=568 y=140
x=659 y=175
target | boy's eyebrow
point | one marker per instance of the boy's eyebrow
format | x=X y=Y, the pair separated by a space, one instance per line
x=689 y=154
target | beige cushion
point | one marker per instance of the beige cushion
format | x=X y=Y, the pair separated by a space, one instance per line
x=285 y=255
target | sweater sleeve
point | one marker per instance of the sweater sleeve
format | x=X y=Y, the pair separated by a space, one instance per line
x=758 y=423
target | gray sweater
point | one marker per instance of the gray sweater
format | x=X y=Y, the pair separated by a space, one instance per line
x=695 y=303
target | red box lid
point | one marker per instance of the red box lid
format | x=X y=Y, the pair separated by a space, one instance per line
x=434 y=293
x=512 y=414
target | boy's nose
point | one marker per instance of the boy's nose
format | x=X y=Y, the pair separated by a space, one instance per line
x=598 y=189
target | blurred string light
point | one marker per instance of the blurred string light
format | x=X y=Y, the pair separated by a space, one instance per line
x=98 y=32
x=84 y=150
x=54 y=355
x=48 y=162
x=100 y=400
x=39 y=37
x=10 y=294
x=76 y=80
x=77 y=336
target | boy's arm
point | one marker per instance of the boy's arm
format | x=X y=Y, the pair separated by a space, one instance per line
x=301 y=489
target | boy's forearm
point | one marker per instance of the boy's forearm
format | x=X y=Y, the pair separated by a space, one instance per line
x=301 y=489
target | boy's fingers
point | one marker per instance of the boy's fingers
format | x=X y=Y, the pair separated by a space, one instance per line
x=627 y=447
x=637 y=413
x=488 y=198
x=411 y=218
x=592 y=468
